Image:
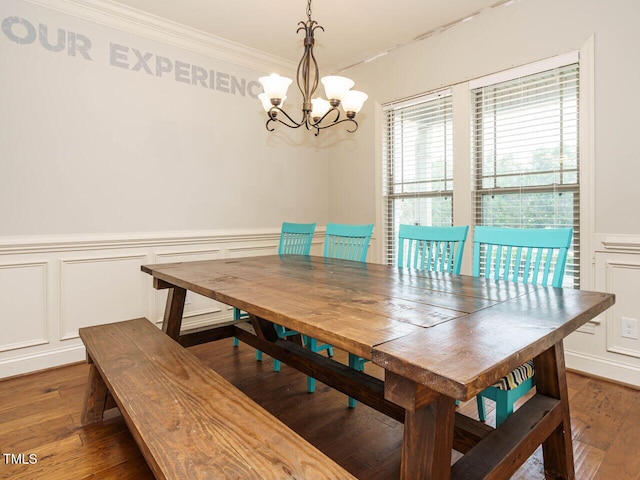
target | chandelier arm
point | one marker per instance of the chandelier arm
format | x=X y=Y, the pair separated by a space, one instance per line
x=273 y=117
x=319 y=121
x=266 y=125
x=318 y=127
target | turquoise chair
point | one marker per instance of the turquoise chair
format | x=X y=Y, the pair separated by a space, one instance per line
x=295 y=239
x=533 y=256
x=437 y=249
x=347 y=242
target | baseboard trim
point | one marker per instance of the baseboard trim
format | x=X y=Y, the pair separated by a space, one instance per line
x=36 y=362
x=591 y=365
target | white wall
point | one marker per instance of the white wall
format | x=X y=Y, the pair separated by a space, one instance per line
x=91 y=144
x=523 y=32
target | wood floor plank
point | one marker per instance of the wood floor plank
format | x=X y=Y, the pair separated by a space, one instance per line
x=35 y=413
x=599 y=411
x=134 y=469
x=622 y=460
x=30 y=436
x=587 y=460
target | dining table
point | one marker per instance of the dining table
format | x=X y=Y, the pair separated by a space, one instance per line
x=440 y=339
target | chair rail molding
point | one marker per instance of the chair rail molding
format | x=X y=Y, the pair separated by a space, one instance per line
x=618 y=243
x=74 y=243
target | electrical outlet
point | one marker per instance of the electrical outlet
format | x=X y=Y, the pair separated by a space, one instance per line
x=187 y=298
x=630 y=328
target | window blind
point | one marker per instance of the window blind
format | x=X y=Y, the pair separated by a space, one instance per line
x=526 y=157
x=417 y=165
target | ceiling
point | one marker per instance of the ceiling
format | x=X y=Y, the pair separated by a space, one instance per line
x=355 y=30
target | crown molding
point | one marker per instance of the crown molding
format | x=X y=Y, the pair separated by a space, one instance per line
x=121 y=17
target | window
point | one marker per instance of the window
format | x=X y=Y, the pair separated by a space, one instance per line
x=516 y=156
x=417 y=165
x=525 y=150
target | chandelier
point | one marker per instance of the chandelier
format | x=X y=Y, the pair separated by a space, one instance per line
x=317 y=113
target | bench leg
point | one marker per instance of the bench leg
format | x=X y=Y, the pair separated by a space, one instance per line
x=95 y=400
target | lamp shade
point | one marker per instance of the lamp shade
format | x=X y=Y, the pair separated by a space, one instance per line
x=335 y=87
x=320 y=107
x=266 y=101
x=275 y=86
x=353 y=101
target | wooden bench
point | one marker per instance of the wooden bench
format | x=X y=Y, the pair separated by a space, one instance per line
x=188 y=421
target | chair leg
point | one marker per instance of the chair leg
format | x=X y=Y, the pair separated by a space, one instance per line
x=482 y=413
x=276 y=365
x=310 y=343
x=258 y=355
x=504 y=405
x=356 y=363
x=311 y=384
x=237 y=315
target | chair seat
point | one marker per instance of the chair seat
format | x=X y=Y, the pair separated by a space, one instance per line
x=515 y=378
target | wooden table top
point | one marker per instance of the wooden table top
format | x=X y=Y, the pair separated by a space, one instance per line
x=457 y=334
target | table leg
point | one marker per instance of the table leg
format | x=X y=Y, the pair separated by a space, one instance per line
x=551 y=380
x=428 y=441
x=173 y=312
x=263 y=328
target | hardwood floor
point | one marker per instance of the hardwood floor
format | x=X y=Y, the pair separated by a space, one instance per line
x=40 y=415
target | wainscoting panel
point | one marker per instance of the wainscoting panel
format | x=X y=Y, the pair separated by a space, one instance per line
x=23 y=305
x=623 y=278
x=97 y=290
